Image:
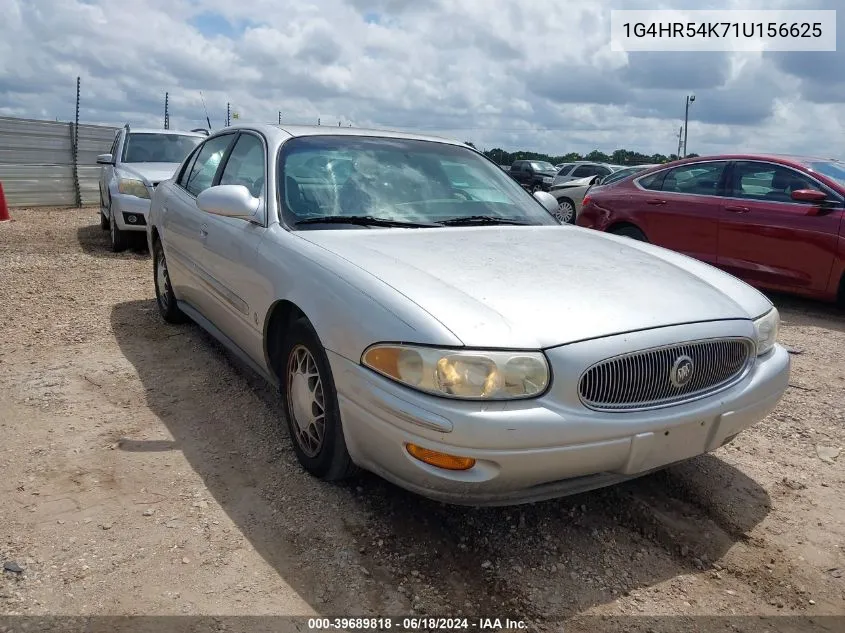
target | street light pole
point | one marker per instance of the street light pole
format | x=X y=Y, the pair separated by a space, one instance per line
x=690 y=99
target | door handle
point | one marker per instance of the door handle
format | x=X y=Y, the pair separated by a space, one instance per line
x=204 y=230
x=737 y=209
x=656 y=202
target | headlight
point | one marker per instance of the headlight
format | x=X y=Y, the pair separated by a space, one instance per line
x=133 y=187
x=548 y=180
x=767 y=331
x=462 y=374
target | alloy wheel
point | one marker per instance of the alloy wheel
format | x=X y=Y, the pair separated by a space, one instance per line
x=306 y=400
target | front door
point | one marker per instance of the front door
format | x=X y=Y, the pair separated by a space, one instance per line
x=771 y=240
x=230 y=251
x=186 y=226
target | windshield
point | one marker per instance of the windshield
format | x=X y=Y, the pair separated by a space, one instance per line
x=398 y=180
x=832 y=169
x=621 y=174
x=540 y=166
x=142 y=147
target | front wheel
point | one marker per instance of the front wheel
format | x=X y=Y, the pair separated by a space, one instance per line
x=311 y=408
x=119 y=239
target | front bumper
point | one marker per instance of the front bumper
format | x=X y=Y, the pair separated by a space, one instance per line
x=126 y=208
x=539 y=449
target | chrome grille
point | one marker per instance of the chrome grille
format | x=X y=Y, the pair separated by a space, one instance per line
x=642 y=380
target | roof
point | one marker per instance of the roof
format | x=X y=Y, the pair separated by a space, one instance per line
x=151 y=130
x=776 y=158
x=328 y=130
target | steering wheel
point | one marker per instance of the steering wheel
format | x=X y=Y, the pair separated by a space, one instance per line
x=460 y=193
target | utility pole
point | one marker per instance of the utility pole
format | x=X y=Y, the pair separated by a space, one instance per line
x=228 y=114
x=690 y=99
x=680 y=140
x=280 y=117
x=166 y=111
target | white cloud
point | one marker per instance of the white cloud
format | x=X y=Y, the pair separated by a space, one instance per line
x=537 y=75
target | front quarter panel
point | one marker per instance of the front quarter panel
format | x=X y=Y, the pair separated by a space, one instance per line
x=349 y=308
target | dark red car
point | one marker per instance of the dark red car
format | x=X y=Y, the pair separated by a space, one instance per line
x=774 y=221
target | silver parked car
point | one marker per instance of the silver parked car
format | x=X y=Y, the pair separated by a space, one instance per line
x=139 y=159
x=582 y=169
x=428 y=320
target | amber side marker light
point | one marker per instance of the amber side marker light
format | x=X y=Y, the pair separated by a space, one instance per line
x=440 y=460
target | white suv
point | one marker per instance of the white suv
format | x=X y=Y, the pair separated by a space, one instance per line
x=139 y=160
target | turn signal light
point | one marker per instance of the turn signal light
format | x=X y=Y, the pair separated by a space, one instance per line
x=440 y=460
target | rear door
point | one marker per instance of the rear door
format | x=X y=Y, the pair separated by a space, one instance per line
x=771 y=240
x=682 y=210
x=186 y=226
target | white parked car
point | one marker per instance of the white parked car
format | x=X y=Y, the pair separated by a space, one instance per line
x=427 y=319
x=138 y=161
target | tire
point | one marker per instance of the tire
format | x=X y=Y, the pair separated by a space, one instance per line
x=565 y=211
x=629 y=231
x=165 y=299
x=310 y=405
x=119 y=239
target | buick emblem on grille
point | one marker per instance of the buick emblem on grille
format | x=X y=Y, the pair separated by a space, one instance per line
x=681 y=372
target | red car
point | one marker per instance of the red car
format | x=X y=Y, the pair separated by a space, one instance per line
x=774 y=221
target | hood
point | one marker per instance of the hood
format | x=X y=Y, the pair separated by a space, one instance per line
x=543 y=286
x=149 y=172
x=579 y=182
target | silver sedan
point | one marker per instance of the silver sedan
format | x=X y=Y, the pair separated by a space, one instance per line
x=428 y=320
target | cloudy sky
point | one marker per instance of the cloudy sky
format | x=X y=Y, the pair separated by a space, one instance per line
x=535 y=75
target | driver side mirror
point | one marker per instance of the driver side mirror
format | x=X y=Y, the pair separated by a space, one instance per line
x=105 y=159
x=809 y=195
x=231 y=201
x=548 y=201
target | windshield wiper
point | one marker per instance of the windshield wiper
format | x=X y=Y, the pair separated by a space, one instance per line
x=480 y=219
x=363 y=220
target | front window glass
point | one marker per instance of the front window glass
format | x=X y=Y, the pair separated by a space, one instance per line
x=542 y=166
x=142 y=147
x=399 y=180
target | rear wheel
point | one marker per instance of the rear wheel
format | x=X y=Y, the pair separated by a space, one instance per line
x=566 y=211
x=629 y=231
x=311 y=408
x=165 y=299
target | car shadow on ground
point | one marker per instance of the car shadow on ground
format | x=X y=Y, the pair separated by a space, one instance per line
x=808 y=313
x=95 y=241
x=398 y=551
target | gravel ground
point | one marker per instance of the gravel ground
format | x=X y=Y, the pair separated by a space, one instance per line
x=144 y=471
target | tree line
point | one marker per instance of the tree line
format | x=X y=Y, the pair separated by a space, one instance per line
x=619 y=157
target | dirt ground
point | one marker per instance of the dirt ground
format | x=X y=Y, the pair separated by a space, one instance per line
x=144 y=471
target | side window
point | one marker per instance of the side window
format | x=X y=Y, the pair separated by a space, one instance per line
x=201 y=174
x=602 y=171
x=566 y=170
x=582 y=171
x=697 y=178
x=245 y=165
x=652 y=182
x=186 y=169
x=762 y=181
x=113 y=150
